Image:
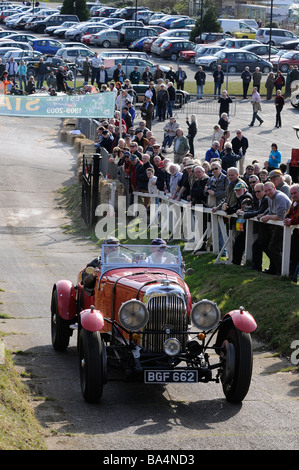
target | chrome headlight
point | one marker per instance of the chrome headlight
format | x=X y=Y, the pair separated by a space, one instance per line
x=133 y=315
x=205 y=315
x=172 y=346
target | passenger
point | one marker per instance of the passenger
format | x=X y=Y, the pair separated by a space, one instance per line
x=158 y=247
x=89 y=278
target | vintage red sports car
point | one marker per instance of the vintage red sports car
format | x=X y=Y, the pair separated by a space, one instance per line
x=134 y=311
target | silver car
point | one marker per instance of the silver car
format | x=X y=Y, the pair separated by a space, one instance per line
x=278 y=36
x=106 y=39
x=129 y=63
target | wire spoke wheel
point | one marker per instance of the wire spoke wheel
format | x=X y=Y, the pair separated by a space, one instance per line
x=92 y=365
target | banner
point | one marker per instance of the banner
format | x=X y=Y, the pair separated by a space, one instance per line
x=95 y=105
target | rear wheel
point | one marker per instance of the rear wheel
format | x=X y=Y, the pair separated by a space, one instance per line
x=284 y=68
x=237 y=365
x=232 y=69
x=92 y=364
x=173 y=57
x=266 y=69
x=213 y=66
x=60 y=330
x=192 y=60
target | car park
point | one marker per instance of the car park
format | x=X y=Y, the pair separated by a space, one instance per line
x=171 y=49
x=235 y=60
x=261 y=50
x=106 y=39
x=278 y=36
x=284 y=62
x=139 y=321
x=199 y=50
x=239 y=43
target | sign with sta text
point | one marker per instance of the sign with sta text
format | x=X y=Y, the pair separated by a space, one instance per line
x=95 y=105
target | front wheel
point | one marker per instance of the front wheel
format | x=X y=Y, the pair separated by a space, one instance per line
x=232 y=69
x=213 y=66
x=237 y=365
x=60 y=330
x=192 y=60
x=173 y=57
x=266 y=69
x=284 y=68
x=106 y=44
x=92 y=365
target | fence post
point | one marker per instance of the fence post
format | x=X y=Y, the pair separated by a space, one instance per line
x=95 y=186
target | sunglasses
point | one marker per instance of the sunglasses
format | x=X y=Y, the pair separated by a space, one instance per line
x=214 y=169
x=258 y=191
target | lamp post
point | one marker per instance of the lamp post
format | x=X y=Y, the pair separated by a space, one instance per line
x=270 y=37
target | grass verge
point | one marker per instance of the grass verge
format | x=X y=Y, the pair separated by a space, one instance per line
x=19 y=428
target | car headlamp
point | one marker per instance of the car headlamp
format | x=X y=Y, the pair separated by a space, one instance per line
x=205 y=315
x=172 y=346
x=133 y=315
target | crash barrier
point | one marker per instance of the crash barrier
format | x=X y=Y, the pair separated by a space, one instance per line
x=207 y=105
x=88 y=127
x=180 y=220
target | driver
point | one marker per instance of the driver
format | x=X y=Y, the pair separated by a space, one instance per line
x=89 y=279
x=157 y=247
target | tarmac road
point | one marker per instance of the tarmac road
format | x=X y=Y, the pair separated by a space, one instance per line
x=35 y=252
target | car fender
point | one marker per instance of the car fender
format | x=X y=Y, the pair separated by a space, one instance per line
x=91 y=319
x=66 y=298
x=242 y=320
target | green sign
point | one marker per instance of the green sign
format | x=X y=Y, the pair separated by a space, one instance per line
x=94 y=105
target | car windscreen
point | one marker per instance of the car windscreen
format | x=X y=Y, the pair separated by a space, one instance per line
x=113 y=256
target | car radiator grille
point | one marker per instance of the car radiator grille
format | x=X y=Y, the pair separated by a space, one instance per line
x=165 y=312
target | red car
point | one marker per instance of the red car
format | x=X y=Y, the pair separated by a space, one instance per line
x=284 y=61
x=86 y=39
x=133 y=310
x=188 y=56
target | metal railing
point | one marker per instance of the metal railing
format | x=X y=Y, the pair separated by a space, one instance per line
x=193 y=216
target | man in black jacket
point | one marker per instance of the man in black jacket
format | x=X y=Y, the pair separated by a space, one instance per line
x=218 y=76
x=246 y=79
x=200 y=78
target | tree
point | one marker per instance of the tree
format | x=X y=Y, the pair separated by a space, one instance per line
x=210 y=23
x=76 y=7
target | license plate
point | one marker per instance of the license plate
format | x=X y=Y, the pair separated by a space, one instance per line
x=173 y=376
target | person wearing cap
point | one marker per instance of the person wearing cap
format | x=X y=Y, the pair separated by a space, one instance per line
x=106 y=141
x=163 y=178
x=147 y=110
x=157 y=247
x=230 y=197
x=276 y=177
x=162 y=100
x=140 y=139
x=170 y=129
x=270 y=236
x=88 y=279
x=274 y=158
x=135 y=75
x=183 y=187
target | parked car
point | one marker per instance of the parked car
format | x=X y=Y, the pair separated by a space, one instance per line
x=235 y=60
x=131 y=33
x=261 y=50
x=294 y=45
x=112 y=54
x=143 y=15
x=25 y=46
x=283 y=62
x=182 y=23
x=147 y=44
x=46 y=46
x=122 y=23
x=22 y=37
x=106 y=39
x=231 y=26
x=141 y=325
x=239 y=43
x=71 y=54
x=4 y=50
x=199 y=50
x=128 y=12
x=128 y=64
x=19 y=54
x=177 y=33
x=159 y=29
x=278 y=36
x=156 y=45
x=138 y=44
x=74 y=33
x=60 y=30
x=53 y=20
x=5 y=33
x=250 y=22
x=207 y=38
x=171 y=49
x=166 y=22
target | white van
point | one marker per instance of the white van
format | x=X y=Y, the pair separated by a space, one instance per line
x=234 y=26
